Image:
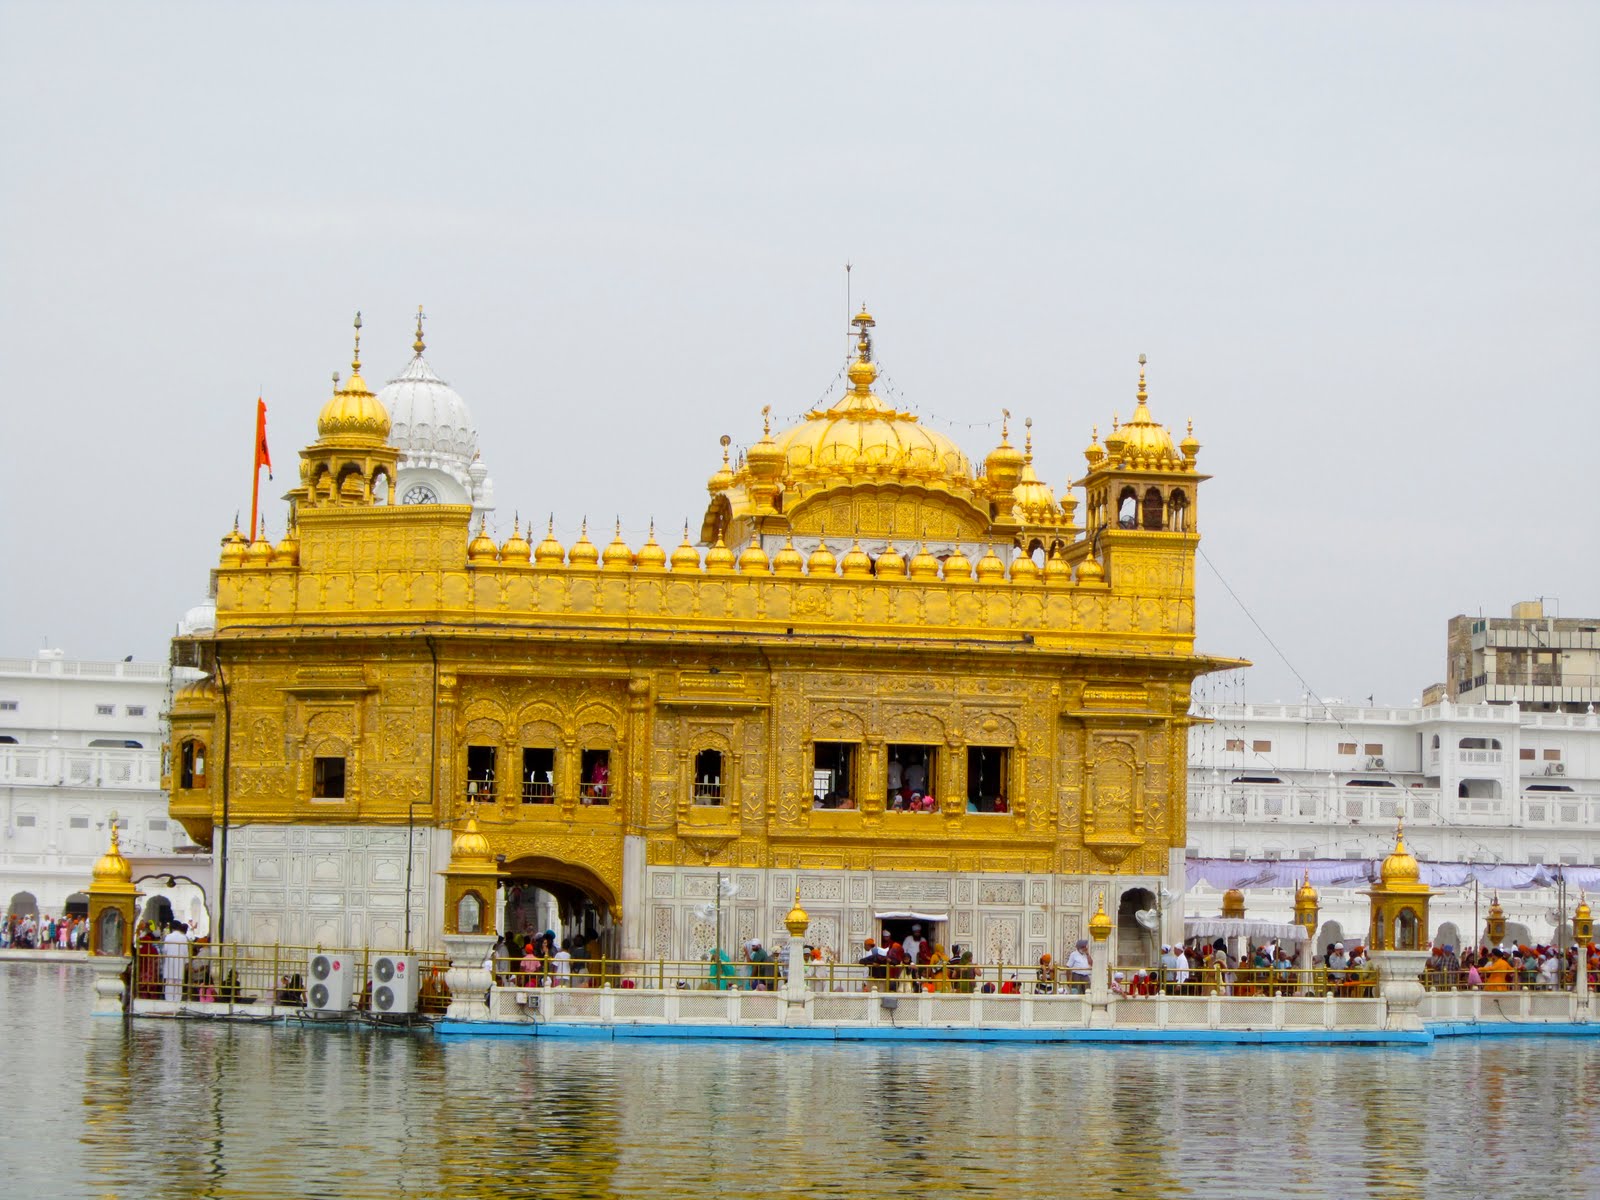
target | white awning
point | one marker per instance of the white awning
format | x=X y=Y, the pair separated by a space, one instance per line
x=1256 y=931
x=910 y=916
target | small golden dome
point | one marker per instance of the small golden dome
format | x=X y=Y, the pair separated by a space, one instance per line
x=1233 y=903
x=550 y=552
x=1093 y=452
x=753 y=559
x=651 y=556
x=957 y=566
x=617 y=556
x=822 y=561
x=1306 y=896
x=200 y=691
x=1100 y=923
x=515 y=551
x=719 y=558
x=923 y=564
x=798 y=920
x=470 y=846
x=481 y=549
x=354 y=412
x=1004 y=461
x=1143 y=441
x=856 y=562
x=990 y=568
x=765 y=459
x=891 y=564
x=259 y=552
x=1031 y=494
x=723 y=479
x=1024 y=570
x=1056 y=569
x=685 y=557
x=1582 y=913
x=788 y=560
x=1400 y=867
x=287 y=553
x=584 y=553
x=112 y=867
x=1090 y=571
x=1189 y=446
x=233 y=547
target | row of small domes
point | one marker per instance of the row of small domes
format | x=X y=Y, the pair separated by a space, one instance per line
x=652 y=556
x=259 y=552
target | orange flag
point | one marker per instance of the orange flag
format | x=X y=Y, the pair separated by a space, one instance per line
x=263 y=456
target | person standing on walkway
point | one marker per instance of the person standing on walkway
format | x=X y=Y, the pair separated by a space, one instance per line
x=174 y=960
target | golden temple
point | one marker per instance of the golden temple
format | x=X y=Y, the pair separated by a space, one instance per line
x=884 y=682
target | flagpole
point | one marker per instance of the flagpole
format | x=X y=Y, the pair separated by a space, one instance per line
x=262 y=458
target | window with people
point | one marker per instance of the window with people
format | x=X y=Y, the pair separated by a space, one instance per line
x=833 y=774
x=708 y=787
x=594 y=786
x=192 y=764
x=911 y=773
x=538 y=775
x=988 y=777
x=480 y=773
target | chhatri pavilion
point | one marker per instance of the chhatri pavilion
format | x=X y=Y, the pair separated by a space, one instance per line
x=898 y=683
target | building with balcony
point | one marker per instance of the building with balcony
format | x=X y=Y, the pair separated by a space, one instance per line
x=1543 y=664
x=1496 y=799
x=81 y=745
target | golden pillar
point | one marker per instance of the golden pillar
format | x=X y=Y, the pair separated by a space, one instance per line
x=469 y=883
x=1495 y=925
x=112 y=902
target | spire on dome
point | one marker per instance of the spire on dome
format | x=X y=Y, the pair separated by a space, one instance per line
x=355 y=358
x=419 y=345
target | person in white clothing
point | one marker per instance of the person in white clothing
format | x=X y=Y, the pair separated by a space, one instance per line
x=1181 y=967
x=174 y=960
x=564 y=963
x=1078 y=964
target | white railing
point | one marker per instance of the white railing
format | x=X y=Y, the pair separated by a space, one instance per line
x=88 y=668
x=54 y=767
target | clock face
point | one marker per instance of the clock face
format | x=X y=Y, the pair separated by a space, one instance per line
x=420 y=494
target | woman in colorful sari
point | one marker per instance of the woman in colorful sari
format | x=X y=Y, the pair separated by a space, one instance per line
x=938 y=969
x=721 y=972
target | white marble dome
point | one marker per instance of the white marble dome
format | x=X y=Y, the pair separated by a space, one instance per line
x=432 y=428
x=202 y=618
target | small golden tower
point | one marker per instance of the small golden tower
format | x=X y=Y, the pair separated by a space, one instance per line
x=351 y=455
x=1233 y=904
x=1305 y=906
x=1582 y=923
x=1100 y=923
x=1399 y=902
x=798 y=920
x=1494 y=927
x=469 y=881
x=112 y=898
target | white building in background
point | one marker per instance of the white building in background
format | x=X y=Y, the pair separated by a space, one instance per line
x=1511 y=794
x=80 y=741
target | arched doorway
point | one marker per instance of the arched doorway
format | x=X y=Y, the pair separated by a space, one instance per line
x=1330 y=933
x=23 y=904
x=171 y=898
x=1138 y=945
x=539 y=895
x=1449 y=935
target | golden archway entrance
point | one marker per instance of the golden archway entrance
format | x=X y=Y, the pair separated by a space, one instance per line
x=540 y=894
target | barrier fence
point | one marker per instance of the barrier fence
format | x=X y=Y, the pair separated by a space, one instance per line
x=275 y=976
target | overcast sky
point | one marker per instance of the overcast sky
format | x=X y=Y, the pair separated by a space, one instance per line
x=1359 y=245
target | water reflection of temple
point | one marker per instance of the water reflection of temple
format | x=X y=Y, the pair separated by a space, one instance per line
x=885 y=677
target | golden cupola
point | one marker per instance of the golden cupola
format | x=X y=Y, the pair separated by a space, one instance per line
x=788 y=560
x=112 y=868
x=233 y=546
x=1003 y=467
x=856 y=561
x=515 y=550
x=351 y=462
x=652 y=557
x=686 y=557
x=616 y=556
x=891 y=564
x=719 y=559
x=584 y=553
x=1035 y=500
x=1400 y=870
x=550 y=552
x=482 y=549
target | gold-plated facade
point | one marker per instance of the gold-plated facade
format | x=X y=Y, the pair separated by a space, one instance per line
x=399 y=663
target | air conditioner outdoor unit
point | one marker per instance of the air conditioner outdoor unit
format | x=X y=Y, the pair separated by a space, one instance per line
x=329 y=982
x=394 y=984
x=1374 y=764
x=1559 y=768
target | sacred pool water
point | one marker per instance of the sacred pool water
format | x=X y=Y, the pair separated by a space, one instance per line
x=188 y=1109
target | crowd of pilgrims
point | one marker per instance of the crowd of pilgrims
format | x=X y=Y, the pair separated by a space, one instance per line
x=1504 y=969
x=44 y=933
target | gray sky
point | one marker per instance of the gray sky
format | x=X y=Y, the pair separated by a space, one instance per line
x=1358 y=243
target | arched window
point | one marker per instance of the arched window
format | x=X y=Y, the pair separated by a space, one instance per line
x=192 y=764
x=1405 y=930
x=708 y=777
x=1154 y=509
x=1180 y=512
x=469 y=914
x=110 y=929
x=1128 y=509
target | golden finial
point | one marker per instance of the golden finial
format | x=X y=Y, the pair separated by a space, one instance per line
x=863 y=322
x=1027 y=444
x=652 y=529
x=725 y=440
x=583 y=529
x=418 y=345
x=618 y=531
x=766 y=420
x=1142 y=395
x=355 y=359
x=336 y=381
x=550 y=529
x=1115 y=419
x=1400 y=835
x=1005 y=425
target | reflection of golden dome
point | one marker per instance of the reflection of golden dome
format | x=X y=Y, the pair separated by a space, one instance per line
x=788 y=560
x=923 y=564
x=516 y=551
x=354 y=412
x=584 y=553
x=856 y=561
x=481 y=549
x=798 y=919
x=719 y=558
x=1400 y=867
x=1100 y=923
x=550 y=552
x=651 y=556
x=821 y=561
x=112 y=867
x=957 y=566
x=891 y=564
